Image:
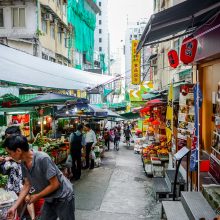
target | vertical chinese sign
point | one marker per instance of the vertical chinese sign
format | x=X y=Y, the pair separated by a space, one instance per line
x=135 y=64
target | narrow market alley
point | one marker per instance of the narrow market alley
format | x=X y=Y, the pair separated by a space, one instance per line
x=118 y=189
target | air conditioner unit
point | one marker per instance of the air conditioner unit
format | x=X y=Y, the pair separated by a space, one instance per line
x=48 y=17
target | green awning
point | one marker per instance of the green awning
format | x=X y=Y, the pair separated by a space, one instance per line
x=130 y=115
x=17 y=110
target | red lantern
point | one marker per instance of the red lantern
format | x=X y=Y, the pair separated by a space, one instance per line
x=188 y=50
x=173 y=58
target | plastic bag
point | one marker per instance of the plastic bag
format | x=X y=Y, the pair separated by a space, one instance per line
x=92 y=155
x=69 y=161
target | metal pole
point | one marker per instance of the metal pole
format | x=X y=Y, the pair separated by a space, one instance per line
x=198 y=147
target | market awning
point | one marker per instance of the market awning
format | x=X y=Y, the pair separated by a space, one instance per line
x=186 y=16
x=18 y=110
x=150 y=96
x=52 y=98
x=98 y=112
x=155 y=102
x=21 y=68
x=130 y=115
x=112 y=114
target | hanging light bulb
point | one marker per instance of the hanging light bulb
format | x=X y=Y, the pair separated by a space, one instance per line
x=39 y=122
x=67 y=112
x=45 y=122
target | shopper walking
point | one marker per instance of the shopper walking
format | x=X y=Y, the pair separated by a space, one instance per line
x=40 y=172
x=127 y=134
x=106 y=136
x=90 y=141
x=76 y=144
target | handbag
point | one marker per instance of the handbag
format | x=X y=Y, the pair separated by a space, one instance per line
x=69 y=161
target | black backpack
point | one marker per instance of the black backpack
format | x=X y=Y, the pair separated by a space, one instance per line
x=76 y=142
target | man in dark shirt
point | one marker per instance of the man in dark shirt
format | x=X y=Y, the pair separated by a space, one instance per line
x=76 y=143
x=40 y=172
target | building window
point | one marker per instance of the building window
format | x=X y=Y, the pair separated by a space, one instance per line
x=52 y=31
x=52 y=59
x=1 y=18
x=44 y=56
x=44 y=25
x=100 y=49
x=100 y=31
x=59 y=35
x=100 y=4
x=18 y=16
x=100 y=13
x=100 y=21
x=100 y=40
x=177 y=45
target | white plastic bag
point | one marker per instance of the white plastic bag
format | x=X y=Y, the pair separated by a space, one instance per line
x=92 y=155
x=69 y=161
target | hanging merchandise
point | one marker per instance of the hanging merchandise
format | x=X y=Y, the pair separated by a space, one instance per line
x=186 y=116
x=173 y=58
x=195 y=144
x=188 y=50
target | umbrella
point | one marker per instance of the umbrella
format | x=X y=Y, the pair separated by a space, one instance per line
x=155 y=102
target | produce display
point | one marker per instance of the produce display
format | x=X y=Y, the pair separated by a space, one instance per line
x=55 y=148
x=156 y=149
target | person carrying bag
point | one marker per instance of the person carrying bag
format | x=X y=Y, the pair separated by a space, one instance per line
x=76 y=143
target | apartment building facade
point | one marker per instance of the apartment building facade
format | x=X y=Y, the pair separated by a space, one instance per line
x=102 y=36
x=38 y=27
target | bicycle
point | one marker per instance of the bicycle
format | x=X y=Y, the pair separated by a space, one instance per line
x=128 y=143
x=116 y=146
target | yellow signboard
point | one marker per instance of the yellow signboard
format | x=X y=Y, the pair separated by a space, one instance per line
x=135 y=64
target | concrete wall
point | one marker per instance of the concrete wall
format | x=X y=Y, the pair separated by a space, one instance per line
x=59 y=9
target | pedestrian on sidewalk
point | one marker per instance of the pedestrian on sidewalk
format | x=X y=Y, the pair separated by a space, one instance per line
x=48 y=182
x=117 y=136
x=106 y=136
x=90 y=142
x=76 y=144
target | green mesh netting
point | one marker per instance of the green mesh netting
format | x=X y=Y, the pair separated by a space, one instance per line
x=84 y=23
x=102 y=62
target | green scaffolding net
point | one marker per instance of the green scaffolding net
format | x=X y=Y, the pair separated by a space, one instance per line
x=102 y=62
x=84 y=22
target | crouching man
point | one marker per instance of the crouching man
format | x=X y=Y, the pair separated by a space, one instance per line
x=40 y=172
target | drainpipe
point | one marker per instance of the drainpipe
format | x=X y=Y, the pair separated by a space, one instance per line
x=36 y=38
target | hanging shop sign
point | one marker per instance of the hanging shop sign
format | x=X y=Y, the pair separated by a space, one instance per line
x=188 y=50
x=135 y=64
x=173 y=58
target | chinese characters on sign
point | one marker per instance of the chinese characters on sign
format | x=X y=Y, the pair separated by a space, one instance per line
x=135 y=64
